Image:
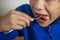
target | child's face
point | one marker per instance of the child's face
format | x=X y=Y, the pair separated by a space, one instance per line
x=50 y=10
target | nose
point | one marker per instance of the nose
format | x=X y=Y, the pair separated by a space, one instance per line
x=39 y=5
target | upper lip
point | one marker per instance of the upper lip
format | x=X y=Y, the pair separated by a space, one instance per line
x=39 y=14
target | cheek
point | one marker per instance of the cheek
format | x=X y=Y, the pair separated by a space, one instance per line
x=54 y=14
x=54 y=11
x=32 y=5
x=32 y=2
x=53 y=8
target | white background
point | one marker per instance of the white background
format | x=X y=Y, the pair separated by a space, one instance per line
x=6 y=5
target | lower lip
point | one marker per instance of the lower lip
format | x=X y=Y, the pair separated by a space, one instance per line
x=41 y=21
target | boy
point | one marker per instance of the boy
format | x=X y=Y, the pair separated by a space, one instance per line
x=38 y=21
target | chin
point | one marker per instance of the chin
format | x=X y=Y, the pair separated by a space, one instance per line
x=45 y=24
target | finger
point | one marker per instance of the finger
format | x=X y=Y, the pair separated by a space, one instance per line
x=23 y=14
x=18 y=27
x=25 y=20
x=28 y=17
x=15 y=17
x=22 y=23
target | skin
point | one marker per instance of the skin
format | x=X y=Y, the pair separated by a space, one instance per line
x=14 y=20
x=18 y=20
x=48 y=7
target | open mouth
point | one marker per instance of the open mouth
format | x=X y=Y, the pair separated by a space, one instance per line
x=42 y=18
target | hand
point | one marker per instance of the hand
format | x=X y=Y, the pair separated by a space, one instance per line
x=15 y=20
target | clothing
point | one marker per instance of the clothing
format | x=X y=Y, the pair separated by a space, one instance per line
x=34 y=31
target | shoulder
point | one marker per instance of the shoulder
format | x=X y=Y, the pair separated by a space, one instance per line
x=26 y=9
x=23 y=7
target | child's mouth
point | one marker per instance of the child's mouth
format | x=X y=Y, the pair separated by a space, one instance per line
x=42 y=18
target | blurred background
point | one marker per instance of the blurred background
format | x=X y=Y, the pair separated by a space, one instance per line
x=6 y=5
